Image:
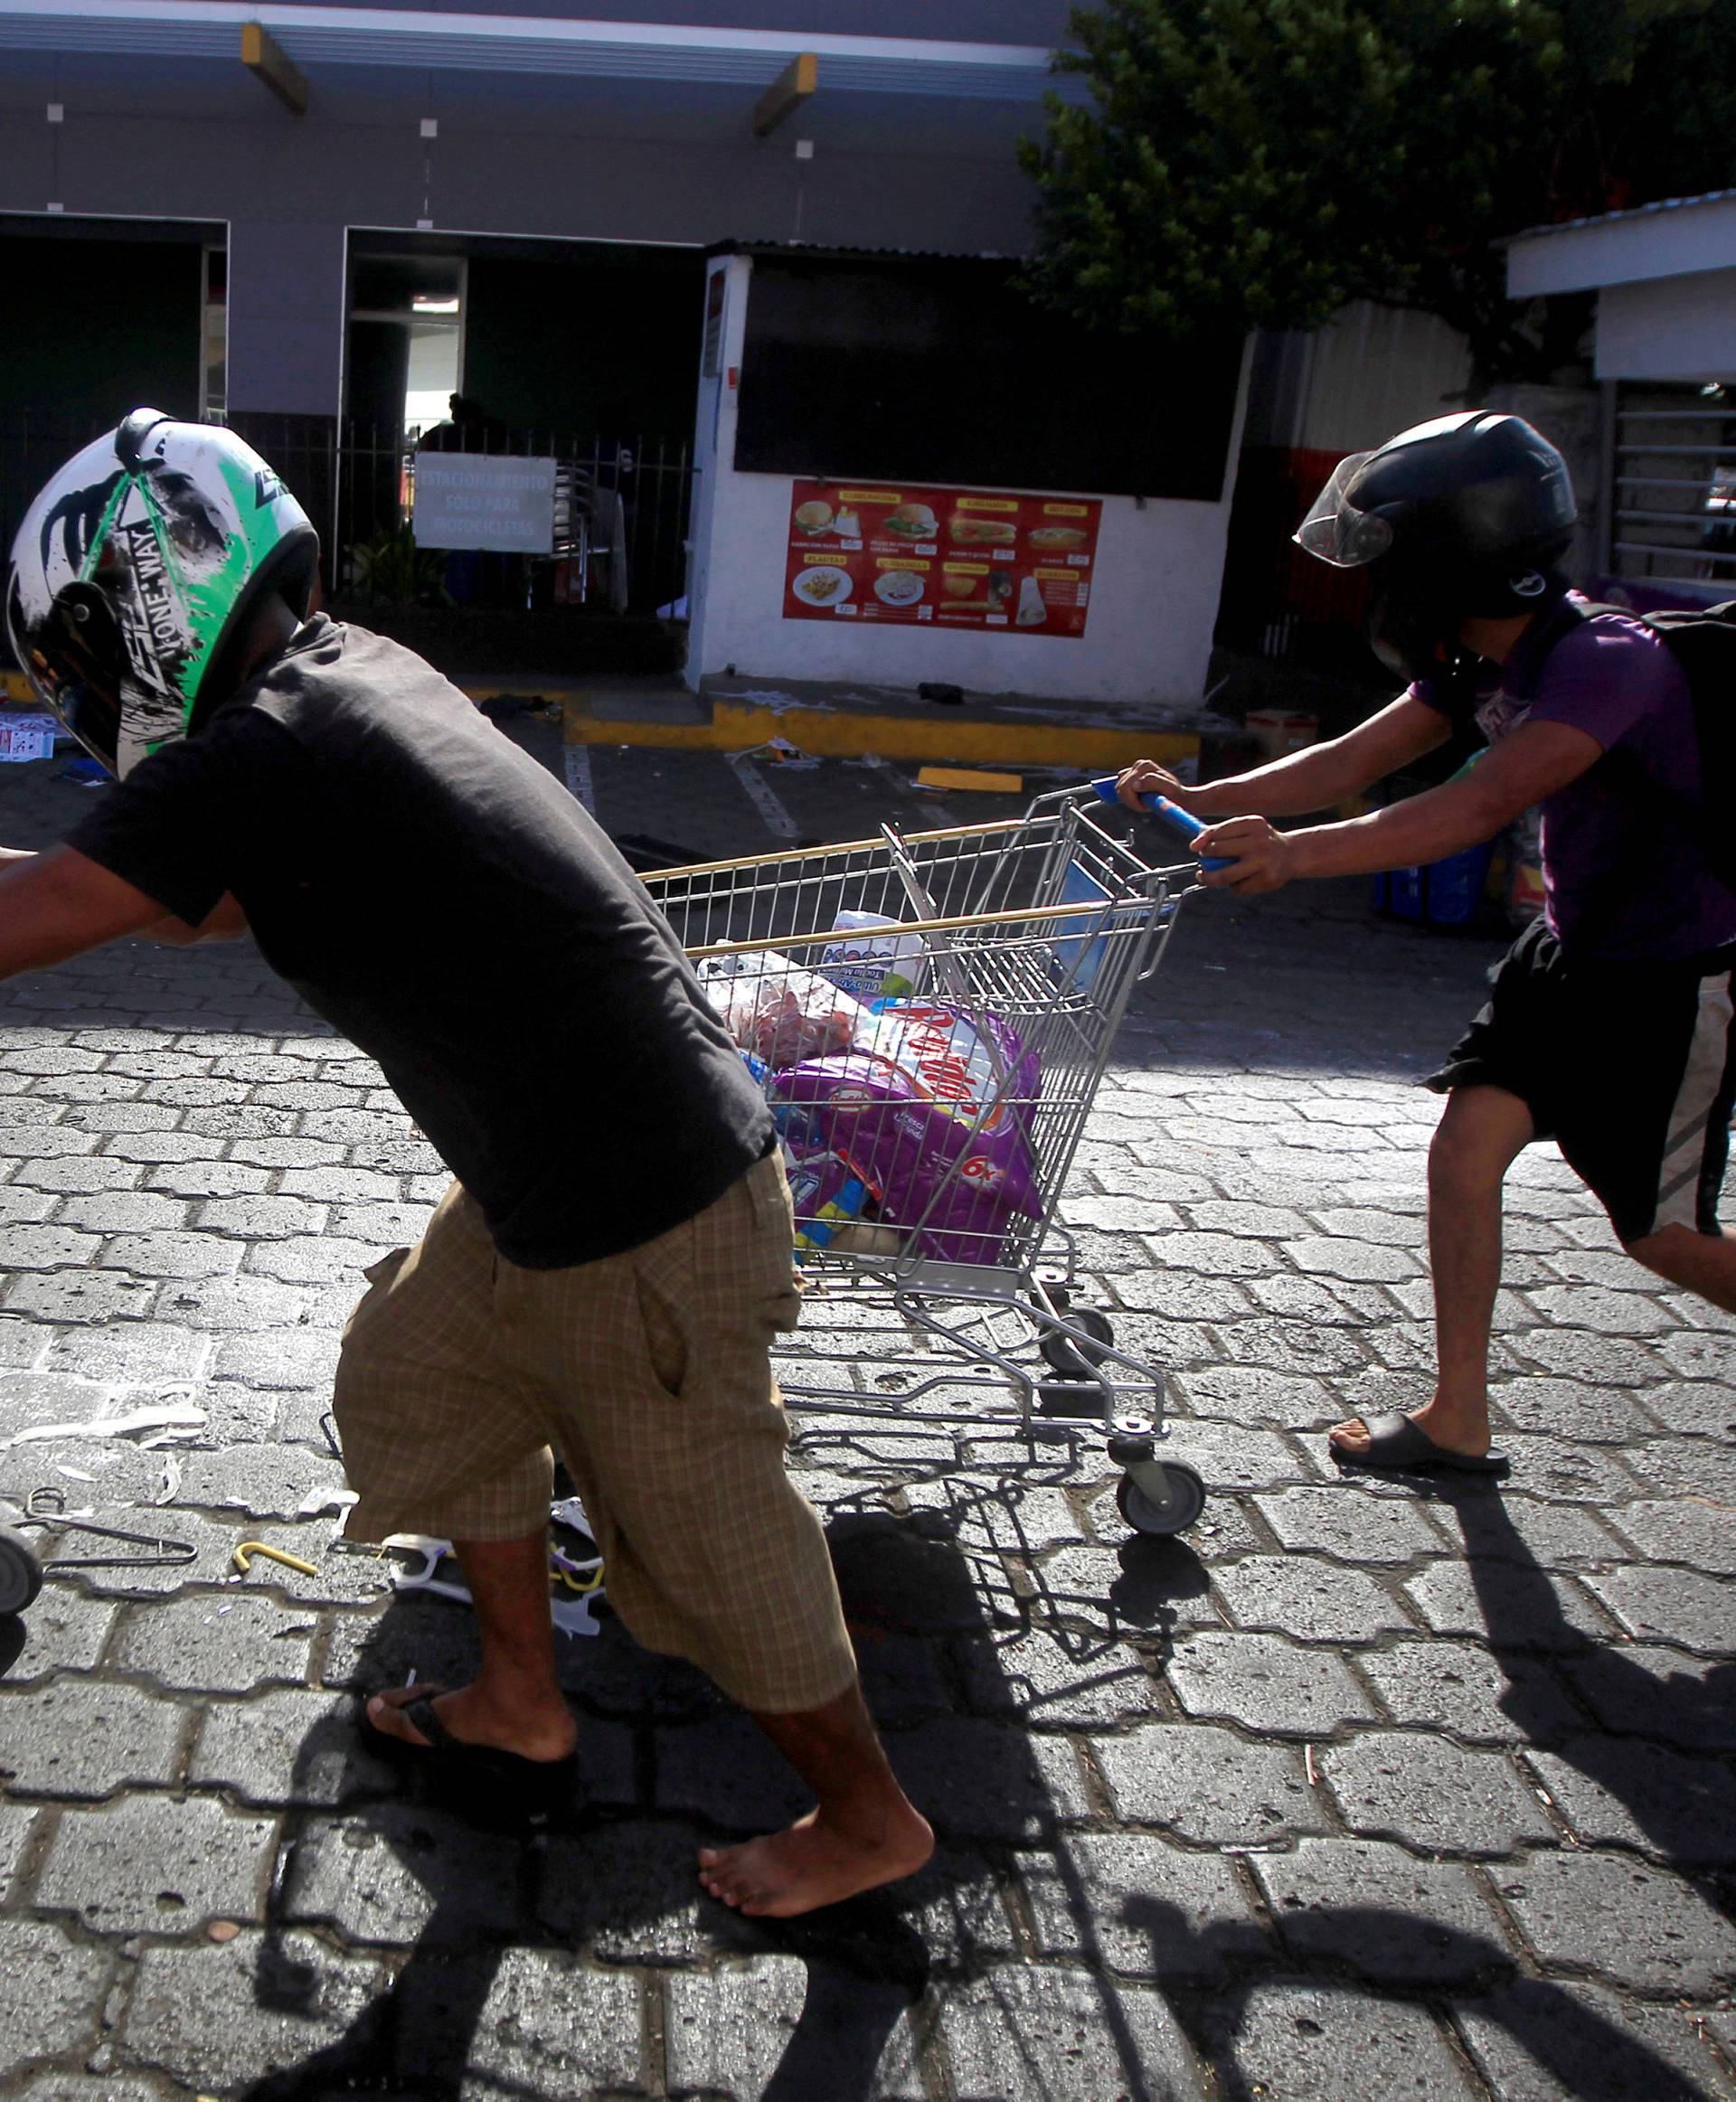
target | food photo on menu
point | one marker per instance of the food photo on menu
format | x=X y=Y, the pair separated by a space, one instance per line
x=952 y=557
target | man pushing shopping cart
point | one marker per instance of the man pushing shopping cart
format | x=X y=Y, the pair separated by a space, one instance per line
x=609 y=1268
x=1609 y=1026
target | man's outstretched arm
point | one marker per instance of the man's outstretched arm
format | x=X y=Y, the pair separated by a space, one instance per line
x=226 y=921
x=60 y=903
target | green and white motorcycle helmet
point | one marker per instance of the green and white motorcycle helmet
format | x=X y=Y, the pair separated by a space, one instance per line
x=136 y=573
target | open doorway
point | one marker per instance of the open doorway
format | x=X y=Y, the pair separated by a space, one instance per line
x=579 y=356
x=406 y=340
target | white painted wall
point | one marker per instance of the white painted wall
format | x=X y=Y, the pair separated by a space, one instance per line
x=1678 y=329
x=1154 y=592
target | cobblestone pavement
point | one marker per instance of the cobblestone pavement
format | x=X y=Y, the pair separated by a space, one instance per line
x=1356 y=1792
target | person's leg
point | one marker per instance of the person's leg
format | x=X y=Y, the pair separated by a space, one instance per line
x=862 y=1832
x=1704 y=1263
x=515 y=1702
x=1481 y=1133
x=440 y=1436
x=670 y=1422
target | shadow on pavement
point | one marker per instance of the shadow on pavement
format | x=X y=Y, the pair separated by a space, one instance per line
x=383 y=1856
x=1684 y=1809
x=1565 y=2036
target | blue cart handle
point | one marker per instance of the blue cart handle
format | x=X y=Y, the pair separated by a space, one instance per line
x=1183 y=820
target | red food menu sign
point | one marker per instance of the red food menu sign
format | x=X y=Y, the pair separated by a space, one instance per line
x=946 y=558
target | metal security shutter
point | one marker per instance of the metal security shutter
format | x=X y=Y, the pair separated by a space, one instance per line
x=1674 y=516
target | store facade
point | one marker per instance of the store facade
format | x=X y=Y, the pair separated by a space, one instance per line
x=356 y=207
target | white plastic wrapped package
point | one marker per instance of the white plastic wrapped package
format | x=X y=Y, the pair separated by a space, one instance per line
x=777 y=1011
x=873 y=960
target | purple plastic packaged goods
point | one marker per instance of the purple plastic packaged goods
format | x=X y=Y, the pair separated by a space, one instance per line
x=904 y=1107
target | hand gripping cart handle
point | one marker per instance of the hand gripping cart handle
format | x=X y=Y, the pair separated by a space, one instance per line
x=1183 y=820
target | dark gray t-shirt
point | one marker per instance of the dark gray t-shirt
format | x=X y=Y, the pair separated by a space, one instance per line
x=440 y=898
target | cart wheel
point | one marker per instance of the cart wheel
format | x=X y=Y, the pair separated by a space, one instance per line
x=21 y=1574
x=1186 y=1501
x=1077 y=1360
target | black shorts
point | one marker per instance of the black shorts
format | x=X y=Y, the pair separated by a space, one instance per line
x=1630 y=1066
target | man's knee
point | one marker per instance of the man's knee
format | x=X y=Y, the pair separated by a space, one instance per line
x=1674 y=1252
x=1466 y=1162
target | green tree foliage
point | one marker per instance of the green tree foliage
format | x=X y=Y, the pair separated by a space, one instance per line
x=1257 y=163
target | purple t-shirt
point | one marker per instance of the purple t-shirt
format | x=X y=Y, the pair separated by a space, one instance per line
x=1623 y=875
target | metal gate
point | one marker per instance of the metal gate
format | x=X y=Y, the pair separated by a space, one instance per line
x=1674 y=517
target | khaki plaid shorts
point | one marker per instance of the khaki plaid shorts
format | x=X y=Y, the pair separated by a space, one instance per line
x=650 y=1372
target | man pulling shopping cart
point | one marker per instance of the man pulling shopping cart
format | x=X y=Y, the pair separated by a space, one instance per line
x=610 y=1268
x=1609 y=1024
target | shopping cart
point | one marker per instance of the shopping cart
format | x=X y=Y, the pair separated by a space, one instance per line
x=931 y=1120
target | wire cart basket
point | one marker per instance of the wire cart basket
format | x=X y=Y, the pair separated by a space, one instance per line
x=932 y=1077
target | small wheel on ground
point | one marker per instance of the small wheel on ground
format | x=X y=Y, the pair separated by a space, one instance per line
x=21 y=1574
x=1078 y=1361
x=1186 y=1501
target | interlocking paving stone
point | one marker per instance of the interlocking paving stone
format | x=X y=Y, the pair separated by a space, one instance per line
x=191 y=1642
x=1556 y=2042
x=1682 y=1529
x=1252 y=1395
x=1143 y=1906
x=1309 y=1598
x=92 y=2088
x=288 y=1748
x=1564 y=1409
x=1353 y=1523
x=392 y=1872
x=778 y=2024
x=628 y=1893
x=151 y=1865
x=1391 y=1918
x=217 y=2017
x=1141 y=1584
x=1616 y=1791
x=80 y=1739
x=1701 y=1407
x=129 y=1351
x=1270 y=1684
x=1048 y=1682
x=17 y=1821
x=1515 y=1608
x=1682 y=1608
x=1649 y=1690
x=1287 y=2040
x=1688 y=1468
x=54 y=1988
x=1432 y=1796
x=1635 y=1924
x=1209 y=1785
x=1026 y=2035
x=1523 y=1529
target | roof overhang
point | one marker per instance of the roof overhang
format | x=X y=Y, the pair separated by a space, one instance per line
x=313 y=36
x=1675 y=238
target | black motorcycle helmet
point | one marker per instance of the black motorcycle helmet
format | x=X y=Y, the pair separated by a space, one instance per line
x=1463 y=516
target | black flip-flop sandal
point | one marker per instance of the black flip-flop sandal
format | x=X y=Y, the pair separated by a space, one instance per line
x=1399 y=1445
x=532 y=1783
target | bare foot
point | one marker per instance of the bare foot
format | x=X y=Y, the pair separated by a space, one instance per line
x=813 y=1862
x=537 y=1731
x=1452 y=1433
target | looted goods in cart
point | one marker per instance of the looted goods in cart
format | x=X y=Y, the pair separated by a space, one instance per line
x=929 y=1130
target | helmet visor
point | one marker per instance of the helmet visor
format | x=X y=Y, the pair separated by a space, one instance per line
x=1335 y=530
x=75 y=665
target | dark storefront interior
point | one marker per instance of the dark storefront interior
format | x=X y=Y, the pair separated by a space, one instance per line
x=585 y=352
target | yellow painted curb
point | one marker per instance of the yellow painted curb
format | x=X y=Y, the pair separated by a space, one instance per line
x=841 y=734
x=983 y=779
